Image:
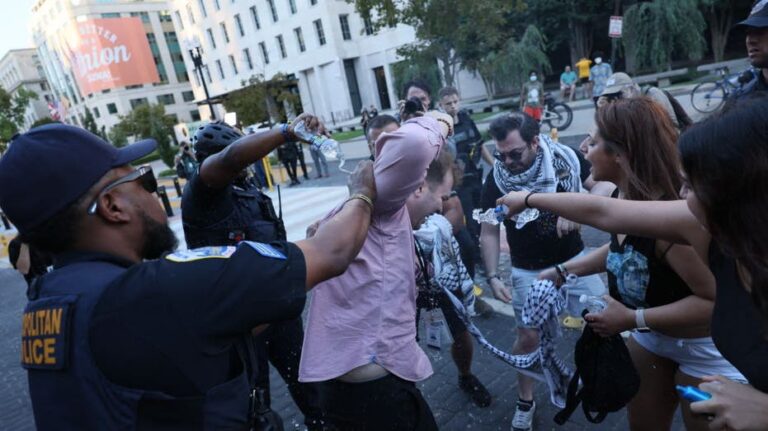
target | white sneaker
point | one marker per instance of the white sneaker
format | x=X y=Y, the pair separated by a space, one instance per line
x=523 y=420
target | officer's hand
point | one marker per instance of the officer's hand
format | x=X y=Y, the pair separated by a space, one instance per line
x=361 y=180
x=313 y=124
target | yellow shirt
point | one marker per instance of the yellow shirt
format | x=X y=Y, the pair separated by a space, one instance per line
x=583 y=66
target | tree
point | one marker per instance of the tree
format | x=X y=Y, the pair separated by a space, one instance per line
x=147 y=121
x=420 y=65
x=719 y=15
x=89 y=123
x=262 y=100
x=12 y=108
x=43 y=121
x=655 y=29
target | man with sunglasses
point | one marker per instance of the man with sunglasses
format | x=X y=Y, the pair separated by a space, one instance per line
x=122 y=335
x=528 y=160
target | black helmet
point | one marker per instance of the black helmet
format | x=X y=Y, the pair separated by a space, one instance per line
x=212 y=138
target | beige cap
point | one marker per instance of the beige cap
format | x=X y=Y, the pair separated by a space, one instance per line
x=616 y=83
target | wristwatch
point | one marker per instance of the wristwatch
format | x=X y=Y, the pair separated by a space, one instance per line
x=640 y=325
x=491 y=277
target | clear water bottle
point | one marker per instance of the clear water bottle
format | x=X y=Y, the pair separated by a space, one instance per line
x=594 y=304
x=492 y=216
x=526 y=216
x=329 y=147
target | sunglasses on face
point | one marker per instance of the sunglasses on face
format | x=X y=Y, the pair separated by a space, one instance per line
x=143 y=174
x=514 y=155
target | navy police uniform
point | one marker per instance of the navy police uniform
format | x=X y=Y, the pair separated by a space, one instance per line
x=111 y=345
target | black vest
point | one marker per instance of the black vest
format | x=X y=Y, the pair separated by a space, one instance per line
x=253 y=218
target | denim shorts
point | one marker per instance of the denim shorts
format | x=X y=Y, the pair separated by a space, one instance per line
x=697 y=357
x=521 y=281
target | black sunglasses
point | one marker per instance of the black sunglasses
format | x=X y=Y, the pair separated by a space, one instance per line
x=514 y=155
x=143 y=174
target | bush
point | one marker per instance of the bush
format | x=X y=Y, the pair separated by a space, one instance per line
x=149 y=158
x=167 y=173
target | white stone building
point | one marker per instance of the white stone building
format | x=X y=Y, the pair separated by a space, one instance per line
x=340 y=64
x=52 y=19
x=20 y=68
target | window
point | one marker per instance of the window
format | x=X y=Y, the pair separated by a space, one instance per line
x=138 y=102
x=224 y=32
x=292 y=5
x=143 y=15
x=320 y=33
x=44 y=86
x=313 y=2
x=300 y=39
x=264 y=52
x=239 y=25
x=165 y=16
x=345 y=33
x=211 y=40
x=166 y=99
x=158 y=60
x=273 y=9
x=179 y=68
x=187 y=96
x=281 y=45
x=233 y=63
x=221 y=69
x=195 y=115
x=96 y=112
x=178 y=18
x=111 y=15
x=368 y=25
x=190 y=14
x=216 y=5
x=202 y=8
x=247 y=58
x=208 y=73
x=255 y=17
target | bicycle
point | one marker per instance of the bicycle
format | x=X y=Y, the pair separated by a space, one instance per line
x=557 y=115
x=710 y=96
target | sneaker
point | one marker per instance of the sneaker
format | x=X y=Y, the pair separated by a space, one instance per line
x=523 y=419
x=472 y=386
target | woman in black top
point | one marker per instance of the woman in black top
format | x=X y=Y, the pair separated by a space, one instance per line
x=725 y=219
x=651 y=282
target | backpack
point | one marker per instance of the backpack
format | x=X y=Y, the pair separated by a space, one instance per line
x=608 y=376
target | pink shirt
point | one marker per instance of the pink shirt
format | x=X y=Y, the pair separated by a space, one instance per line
x=368 y=314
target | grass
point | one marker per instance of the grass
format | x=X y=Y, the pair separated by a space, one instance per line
x=480 y=116
x=345 y=136
x=167 y=173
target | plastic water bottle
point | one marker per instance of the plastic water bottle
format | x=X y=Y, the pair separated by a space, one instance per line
x=492 y=216
x=329 y=147
x=692 y=394
x=594 y=304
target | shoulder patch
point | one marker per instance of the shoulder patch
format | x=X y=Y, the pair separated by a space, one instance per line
x=45 y=332
x=266 y=250
x=223 y=252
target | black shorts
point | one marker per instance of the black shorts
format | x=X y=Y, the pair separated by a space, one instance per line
x=583 y=81
x=455 y=325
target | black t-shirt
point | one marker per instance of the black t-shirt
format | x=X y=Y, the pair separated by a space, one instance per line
x=468 y=144
x=171 y=324
x=202 y=205
x=536 y=245
x=738 y=328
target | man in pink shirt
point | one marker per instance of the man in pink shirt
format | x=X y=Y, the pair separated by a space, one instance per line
x=361 y=331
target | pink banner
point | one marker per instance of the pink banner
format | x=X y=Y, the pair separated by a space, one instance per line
x=110 y=52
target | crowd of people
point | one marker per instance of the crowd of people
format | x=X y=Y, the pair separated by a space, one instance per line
x=126 y=332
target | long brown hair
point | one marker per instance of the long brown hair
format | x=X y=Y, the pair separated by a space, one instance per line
x=640 y=130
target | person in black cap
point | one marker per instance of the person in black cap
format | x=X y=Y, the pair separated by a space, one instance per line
x=756 y=26
x=222 y=206
x=121 y=335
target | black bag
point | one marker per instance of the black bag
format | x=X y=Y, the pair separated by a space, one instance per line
x=609 y=379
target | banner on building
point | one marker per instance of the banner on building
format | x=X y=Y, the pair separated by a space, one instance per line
x=110 y=52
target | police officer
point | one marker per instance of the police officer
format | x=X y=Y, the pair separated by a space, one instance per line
x=221 y=206
x=755 y=80
x=112 y=340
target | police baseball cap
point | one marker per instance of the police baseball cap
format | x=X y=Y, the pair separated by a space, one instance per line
x=617 y=82
x=48 y=168
x=758 y=17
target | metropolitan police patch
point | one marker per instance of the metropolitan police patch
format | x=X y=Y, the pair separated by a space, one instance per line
x=266 y=250
x=223 y=252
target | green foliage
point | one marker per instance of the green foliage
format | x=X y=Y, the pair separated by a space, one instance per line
x=419 y=65
x=260 y=99
x=12 y=107
x=345 y=136
x=147 y=121
x=43 y=121
x=89 y=123
x=654 y=30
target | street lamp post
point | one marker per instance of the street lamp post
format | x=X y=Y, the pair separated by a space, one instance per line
x=197 y=60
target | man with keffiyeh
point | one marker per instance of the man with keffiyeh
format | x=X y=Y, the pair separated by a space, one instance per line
x=528 y=160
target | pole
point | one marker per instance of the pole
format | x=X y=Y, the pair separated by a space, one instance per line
x=267 y=171
x=178 y=186
x=207 y=96
x=615 y=41
x=166 y=203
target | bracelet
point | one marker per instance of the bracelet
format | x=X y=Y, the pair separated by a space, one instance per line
x=562 y=271
x=528 y=196
x=284 y=130
x=363 y=198
x=640 y=324
x=491 y=277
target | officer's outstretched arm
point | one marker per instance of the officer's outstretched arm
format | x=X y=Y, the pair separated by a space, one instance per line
x=220 y=169
x=339 y=239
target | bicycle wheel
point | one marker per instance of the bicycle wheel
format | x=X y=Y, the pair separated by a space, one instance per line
x=560 y=116
x=708 y=97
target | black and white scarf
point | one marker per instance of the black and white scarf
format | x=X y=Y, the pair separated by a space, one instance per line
x=555 y=164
